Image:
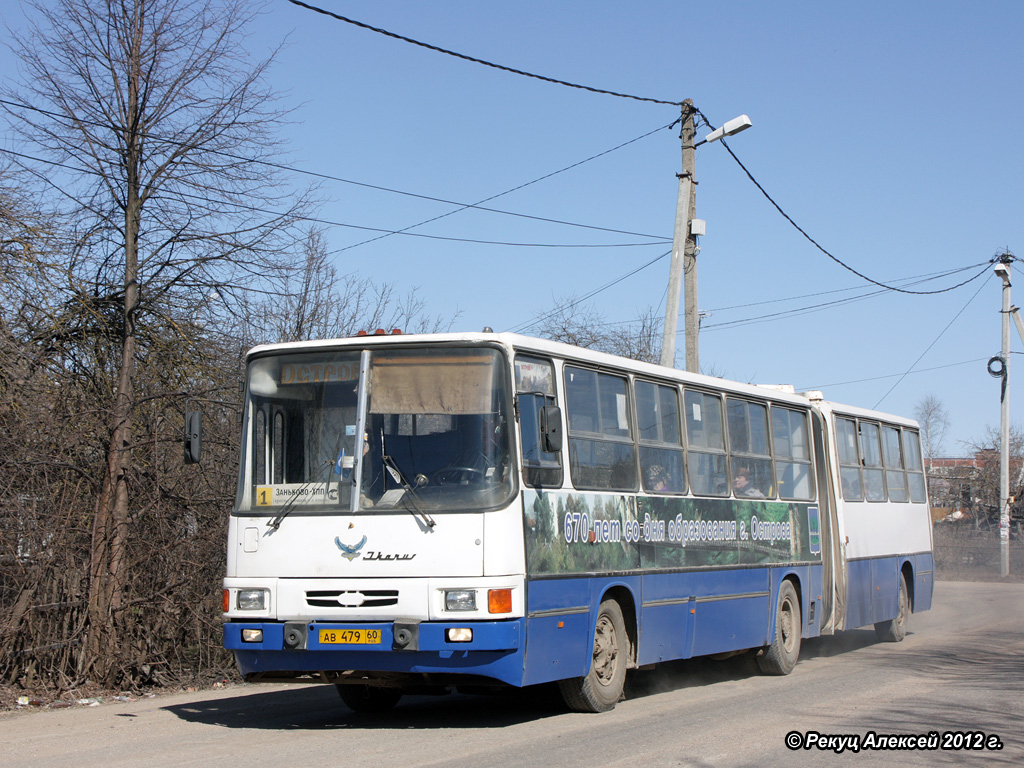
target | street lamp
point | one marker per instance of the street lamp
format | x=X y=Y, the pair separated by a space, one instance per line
x=684 y=243
x=731 y=128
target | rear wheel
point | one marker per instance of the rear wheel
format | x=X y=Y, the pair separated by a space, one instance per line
x=601 y=688
x=894 y=630
x=368 y=699
x=780 y=657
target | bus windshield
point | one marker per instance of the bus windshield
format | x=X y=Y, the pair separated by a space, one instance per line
x=373 y=430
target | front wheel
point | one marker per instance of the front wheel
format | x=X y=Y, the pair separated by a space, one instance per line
x=894 y=630
x=780 y=657
x=601 y=688
x=368 y=699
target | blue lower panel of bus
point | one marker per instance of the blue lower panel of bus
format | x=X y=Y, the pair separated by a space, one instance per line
x=674 y=615
x=924 y=581
x=872 y=588
x=493 y=652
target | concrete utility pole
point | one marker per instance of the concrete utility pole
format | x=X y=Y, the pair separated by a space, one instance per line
x=1002 y=269
x=684 y=243
x=684 y=260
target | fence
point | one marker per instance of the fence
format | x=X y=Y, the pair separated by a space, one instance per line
x=963 y=553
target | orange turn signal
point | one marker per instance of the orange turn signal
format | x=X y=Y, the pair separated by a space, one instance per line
x=226 y=600
x=499 y=601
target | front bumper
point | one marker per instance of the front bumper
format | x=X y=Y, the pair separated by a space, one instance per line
x=406 y=647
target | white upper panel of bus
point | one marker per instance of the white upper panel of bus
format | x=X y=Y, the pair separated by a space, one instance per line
x=546 y=348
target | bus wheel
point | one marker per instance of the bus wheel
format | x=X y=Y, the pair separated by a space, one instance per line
x=780 y=657
x=601 y=688
x=894 y=630
x=368 y=699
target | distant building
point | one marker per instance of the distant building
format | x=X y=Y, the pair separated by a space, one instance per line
x=969 y=485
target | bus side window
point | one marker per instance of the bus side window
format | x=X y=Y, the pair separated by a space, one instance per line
x=915 y=469
x=892 y=457
x=705 y=442
x=661 y=447
x=602 y=455
x=748 y=448
x=849 y=459
x=535 y=387
x=871 y=458
x=790 y=438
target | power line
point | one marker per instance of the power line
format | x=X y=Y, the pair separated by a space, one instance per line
x=516 y=189
x=824 y=305
x=928 y=348
x=909 y=280
x=475 y=60
x=522 y=328
x=328 y=222
x=328 y=177
x=802 y=310
x=893 y=375
x=814 y=242
x=315 y=220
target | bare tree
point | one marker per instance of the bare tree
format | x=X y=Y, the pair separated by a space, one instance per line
x=984 y=480
x=585 y=326
x=933 y=417
x=317 y=303
x=159 y=132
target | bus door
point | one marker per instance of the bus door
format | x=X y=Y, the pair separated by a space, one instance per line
x=833 y=609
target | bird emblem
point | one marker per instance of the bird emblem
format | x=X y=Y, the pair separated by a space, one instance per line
x=349 y=553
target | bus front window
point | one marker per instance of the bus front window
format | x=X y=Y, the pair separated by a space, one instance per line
x=434 y=434
x=436 y=430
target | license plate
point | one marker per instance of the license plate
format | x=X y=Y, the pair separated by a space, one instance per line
x=350 y=637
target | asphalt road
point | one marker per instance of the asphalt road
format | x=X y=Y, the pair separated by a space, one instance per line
x=960 y=670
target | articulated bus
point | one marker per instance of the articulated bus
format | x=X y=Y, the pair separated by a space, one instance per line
x=422 y=512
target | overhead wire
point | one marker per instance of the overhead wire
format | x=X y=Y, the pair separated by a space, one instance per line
x=913 y=280
x=516 y=189
x=893 y=375
x=797 y=311
x=328 y=177
x=928 y=348
x=556 y=81
x=631 y=96
x=475 y=60
x=814 y=242
x=917 y=279
x=328 y=222
x=317 y=220
x=538 y=319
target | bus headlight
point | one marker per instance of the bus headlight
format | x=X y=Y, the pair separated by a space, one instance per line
x=460 y=599
x=252 y=600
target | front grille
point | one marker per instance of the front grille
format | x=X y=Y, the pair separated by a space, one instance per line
x=352 y=598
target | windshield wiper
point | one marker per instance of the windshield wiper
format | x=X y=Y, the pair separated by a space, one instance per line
x=275 y=522
x=396 y=473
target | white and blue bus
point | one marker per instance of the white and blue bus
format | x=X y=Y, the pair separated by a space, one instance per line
x=416 y=512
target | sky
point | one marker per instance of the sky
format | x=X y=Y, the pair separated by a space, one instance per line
x=888 y=131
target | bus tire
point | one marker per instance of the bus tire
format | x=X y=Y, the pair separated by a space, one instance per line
x=368 y=699
x=894 y=630
x=781 y=656
x=601 y=688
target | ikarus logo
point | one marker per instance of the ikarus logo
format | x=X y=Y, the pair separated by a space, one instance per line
x=349 y=552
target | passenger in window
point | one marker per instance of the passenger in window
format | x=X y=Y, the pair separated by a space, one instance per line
x=742 y=486
x=657 y=478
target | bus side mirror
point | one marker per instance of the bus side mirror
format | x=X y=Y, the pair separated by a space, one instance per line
x=551 y=428
x=193 y=436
